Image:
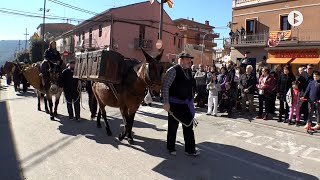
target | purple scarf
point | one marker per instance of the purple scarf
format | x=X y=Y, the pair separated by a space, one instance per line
x=190 y=103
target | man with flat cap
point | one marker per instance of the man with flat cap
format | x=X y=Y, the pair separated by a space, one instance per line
x=71 y=90
x=178 y=102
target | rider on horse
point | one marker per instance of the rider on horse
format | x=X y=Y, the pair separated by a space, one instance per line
x=51 y=56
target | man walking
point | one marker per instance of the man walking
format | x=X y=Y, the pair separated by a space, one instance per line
x=71 y=91
x=178 y=101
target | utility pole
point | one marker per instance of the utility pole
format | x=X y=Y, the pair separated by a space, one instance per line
x=25 y=47
x=19 y=45
x=43 y=28
x=161 y=18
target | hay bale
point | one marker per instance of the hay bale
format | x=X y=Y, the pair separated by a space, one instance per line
x=31 y=74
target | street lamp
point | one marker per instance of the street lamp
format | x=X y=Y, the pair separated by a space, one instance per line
x=202 y=47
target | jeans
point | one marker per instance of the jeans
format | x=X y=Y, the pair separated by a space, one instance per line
x=212 y=101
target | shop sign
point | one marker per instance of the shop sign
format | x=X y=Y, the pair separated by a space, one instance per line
x=308 y=53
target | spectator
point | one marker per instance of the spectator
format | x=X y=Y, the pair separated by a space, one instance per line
x=284 y=84
x=273 y=94
x=214 y=88
x=228 y=99
x=313 y=95
x=247 y=86
x=265 y=86
x=303 y=85
x=245 y=61
x=201 y=77
x=293 y=99
x=309 y=74
x=71 y=89
x=194 y=84
x=231 y=74
x=232 y=36
x=222 y=80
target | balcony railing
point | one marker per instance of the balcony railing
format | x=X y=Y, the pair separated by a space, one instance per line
x=306 y=35
x=142 y=43
x=254 y=39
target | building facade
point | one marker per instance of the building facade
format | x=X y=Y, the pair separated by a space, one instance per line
x=126 y=29
x=65 y=45
x=262 y=27
x=198 y=40
x=54 y=29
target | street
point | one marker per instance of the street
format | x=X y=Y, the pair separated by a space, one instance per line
x=34 y=147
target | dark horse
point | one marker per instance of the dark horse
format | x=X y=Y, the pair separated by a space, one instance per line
x=51 y=87
x=130 y=92
x=16 y=69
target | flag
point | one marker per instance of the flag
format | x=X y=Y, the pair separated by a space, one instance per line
x=170 y=3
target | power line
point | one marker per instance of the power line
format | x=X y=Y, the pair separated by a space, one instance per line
x=73 y=7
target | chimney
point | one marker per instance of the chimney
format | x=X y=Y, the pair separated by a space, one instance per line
x=206 y=23
x=192 y=19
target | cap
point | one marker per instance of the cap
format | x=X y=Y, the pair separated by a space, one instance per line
x=184 y=54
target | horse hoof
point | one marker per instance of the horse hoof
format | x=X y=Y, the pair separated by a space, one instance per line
x=130 y=141
x=98 y=125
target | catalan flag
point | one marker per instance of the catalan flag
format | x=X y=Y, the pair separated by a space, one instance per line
x=170 y=3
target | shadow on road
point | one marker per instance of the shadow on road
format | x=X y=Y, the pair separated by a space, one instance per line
x=9 y=165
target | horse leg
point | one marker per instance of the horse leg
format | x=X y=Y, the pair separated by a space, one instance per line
x=46 y=104
x=98 y=119
x=55 y=113
x=130 y=121
x=104 y=115
x=124 y=112
x=50 y=107
x=39 y=101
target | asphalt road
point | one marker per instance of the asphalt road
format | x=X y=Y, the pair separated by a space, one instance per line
x=34 y=147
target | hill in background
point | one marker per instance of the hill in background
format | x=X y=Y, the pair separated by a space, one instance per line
x=8 y=48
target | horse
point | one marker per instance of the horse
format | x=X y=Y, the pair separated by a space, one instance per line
x=15 y=70
x=51 y=87
x=129 y=93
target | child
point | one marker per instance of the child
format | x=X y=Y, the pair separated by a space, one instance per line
x=293 y=99
x=313 y=94
x=214 y=88
x=228 y=99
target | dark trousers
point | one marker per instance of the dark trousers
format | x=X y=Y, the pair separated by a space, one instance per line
x=75 y=101
x=273 y=104
x=314 y=108
x=284 y=109
x=180 y=112
x=93 y=105
x=264 y=103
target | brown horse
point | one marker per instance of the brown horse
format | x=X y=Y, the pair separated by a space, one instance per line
x=130 y=92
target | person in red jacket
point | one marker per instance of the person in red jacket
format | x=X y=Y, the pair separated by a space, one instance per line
x=265 y=86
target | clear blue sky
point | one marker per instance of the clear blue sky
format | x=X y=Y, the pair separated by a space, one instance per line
x=218 y=12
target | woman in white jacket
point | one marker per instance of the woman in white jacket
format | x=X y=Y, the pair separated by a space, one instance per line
x=214 y=88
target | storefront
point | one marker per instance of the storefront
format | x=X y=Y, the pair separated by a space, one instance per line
x=295 y=57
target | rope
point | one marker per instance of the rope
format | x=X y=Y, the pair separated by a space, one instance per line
x=193 y=122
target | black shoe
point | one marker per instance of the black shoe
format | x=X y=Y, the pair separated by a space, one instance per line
x=286 y=121
x=280 y=120
x=173 y=152
x=194 y=153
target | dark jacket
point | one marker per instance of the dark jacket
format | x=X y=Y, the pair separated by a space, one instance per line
x=284 y=84
x=313 y=91
x=52 y=55
x=231 y=76
x=248 y=82
x=303 y=82
x=69 y=84
x=307 y=77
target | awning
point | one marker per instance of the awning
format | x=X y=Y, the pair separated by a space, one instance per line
x=278 y=60
x=306 y=61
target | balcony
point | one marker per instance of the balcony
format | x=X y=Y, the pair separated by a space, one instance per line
x=306 y=35
x=142 y=43
x=247 y=40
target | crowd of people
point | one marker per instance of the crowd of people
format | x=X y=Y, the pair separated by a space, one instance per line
x=232 y=87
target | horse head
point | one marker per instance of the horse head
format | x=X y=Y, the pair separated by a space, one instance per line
x=153 y=70
x=54 y=73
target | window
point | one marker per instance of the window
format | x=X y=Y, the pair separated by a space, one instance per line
x=179 y=43
x=100 y=30
x=174 y=40
x=284 y=24
x=79 y=37
x=82 y=35
x=251 y=26
x=142 y=30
